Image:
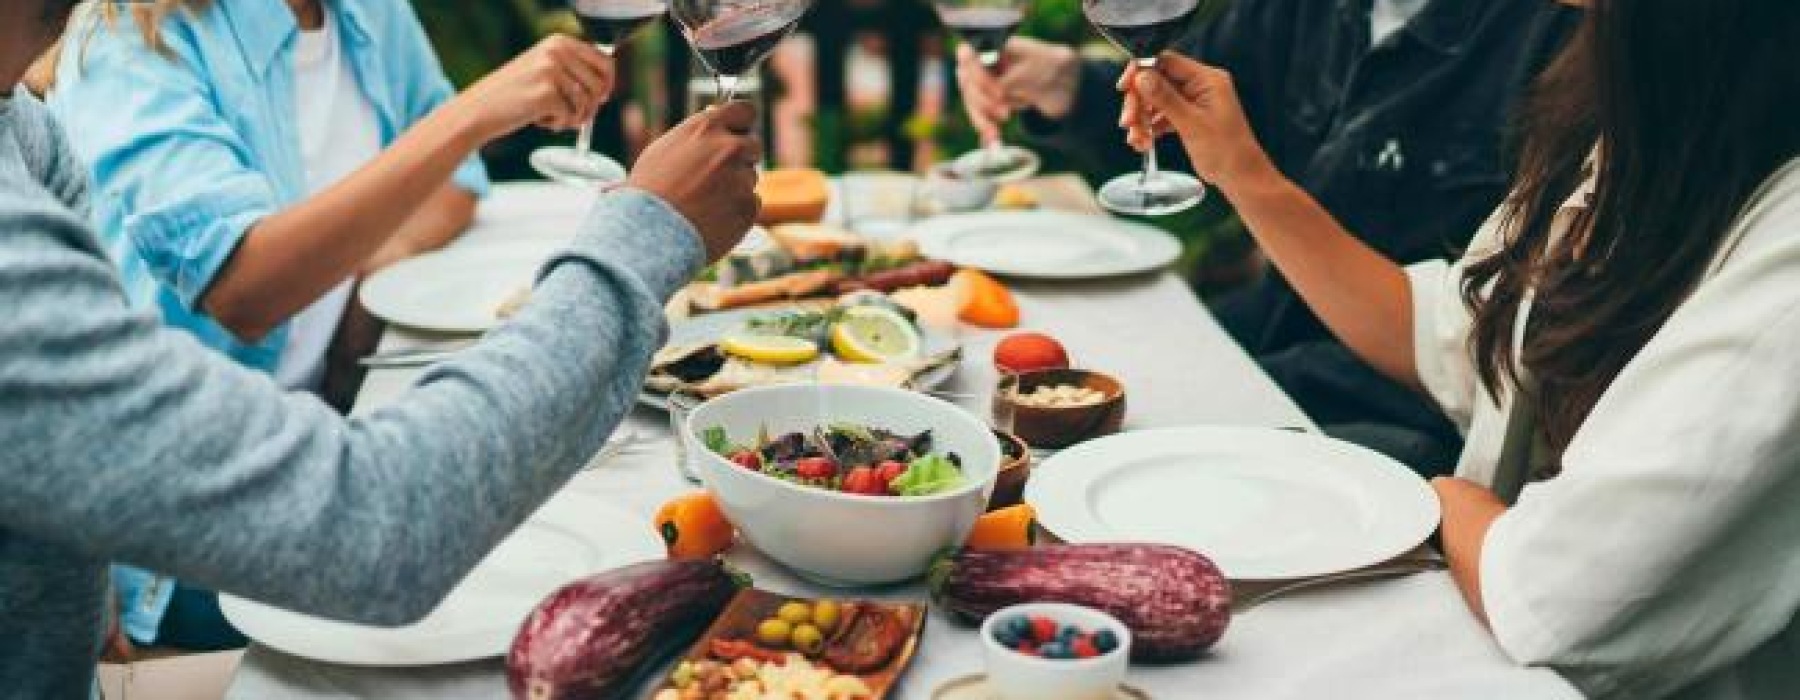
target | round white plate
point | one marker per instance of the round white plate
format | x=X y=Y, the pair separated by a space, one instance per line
x=575 y=534
x=458 y=289
x=1263 y=504
x=1047 y=244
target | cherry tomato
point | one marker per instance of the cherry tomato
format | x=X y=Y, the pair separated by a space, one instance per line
x=815 y=468
x=747 y=459
x=1083 y=648
x=863 y=480
x=887 y=472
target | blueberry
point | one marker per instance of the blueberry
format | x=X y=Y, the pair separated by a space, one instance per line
x=1006 y=636
x=1054 y=650
x=1105 y=641
x=1067 y=634
x=1020 y=627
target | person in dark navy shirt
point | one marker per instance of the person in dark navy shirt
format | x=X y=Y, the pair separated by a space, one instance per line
x=1393 y=114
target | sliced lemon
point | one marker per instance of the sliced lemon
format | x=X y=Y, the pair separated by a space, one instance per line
x=874 y=334
x=770 y=349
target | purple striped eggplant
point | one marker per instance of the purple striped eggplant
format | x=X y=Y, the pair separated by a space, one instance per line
x=591 y=638
x=1175 y=601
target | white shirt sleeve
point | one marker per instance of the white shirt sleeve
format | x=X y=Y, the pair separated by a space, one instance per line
x=1669 y=548
x=1441 y=327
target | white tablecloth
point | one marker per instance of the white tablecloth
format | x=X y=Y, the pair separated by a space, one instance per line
x=1405 y=638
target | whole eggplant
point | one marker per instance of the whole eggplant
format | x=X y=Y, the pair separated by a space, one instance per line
x=1175 y=601
x=590 y=639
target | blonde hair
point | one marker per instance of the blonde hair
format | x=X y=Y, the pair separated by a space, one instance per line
x=149 y=15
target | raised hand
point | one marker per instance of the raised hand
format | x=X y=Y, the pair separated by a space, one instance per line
x=706 y=169
x=1032 y=74
x=1200 y=104
x=559 y=84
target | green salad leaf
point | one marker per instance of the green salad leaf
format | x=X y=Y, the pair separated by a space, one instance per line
x=717 y=440
x=928 y=475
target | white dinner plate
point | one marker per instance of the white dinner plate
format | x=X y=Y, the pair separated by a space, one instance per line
x=1263 y=504
x=458 y=289
x=1047 y=244
x=573 y=535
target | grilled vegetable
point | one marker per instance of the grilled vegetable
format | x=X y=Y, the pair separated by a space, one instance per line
x=590 y=638
x=924 y=273
x=1175 y=601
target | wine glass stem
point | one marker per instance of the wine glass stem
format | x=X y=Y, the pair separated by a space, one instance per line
x=996 y=147
x=1150 y=166
x=584 y=139
x=728 y=87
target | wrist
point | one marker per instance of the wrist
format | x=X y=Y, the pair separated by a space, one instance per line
x=465 y=126
x=1255 y=178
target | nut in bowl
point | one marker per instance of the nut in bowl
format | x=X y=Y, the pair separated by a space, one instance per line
x=1056 y=408
x=1055 y=651
x=822 y=515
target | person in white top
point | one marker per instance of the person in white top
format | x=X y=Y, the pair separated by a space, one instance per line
x=1620 y=343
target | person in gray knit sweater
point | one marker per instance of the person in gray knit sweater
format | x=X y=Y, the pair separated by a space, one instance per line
x=127 y=441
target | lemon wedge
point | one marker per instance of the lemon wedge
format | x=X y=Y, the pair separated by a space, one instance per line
x=874 y=334
x=770 y=349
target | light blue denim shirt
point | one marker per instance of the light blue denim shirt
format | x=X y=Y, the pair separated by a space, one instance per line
x=190 y=146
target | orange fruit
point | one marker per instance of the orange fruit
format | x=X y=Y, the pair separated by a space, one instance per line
x=986 y=302
x=1006 y=528
x=694 y=527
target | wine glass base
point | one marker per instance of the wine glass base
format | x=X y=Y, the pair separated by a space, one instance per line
x=571 y=167
x=1008 y=164
x=1158 y=195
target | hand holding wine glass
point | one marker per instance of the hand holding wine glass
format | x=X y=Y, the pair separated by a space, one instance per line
x=558 y=84
x=607 y=23
x=705 y=168
x=1199 y=103
x=985 y=27
x=1144 y=29
x=1032 y=74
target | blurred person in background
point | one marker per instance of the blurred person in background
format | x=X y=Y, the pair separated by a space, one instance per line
x=252 y=159
x=130 y=441
x=1394 y=114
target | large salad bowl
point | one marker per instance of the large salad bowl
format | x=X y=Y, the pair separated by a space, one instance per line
x=836 y=538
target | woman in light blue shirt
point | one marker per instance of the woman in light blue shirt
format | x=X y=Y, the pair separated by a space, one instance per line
x=252 y=158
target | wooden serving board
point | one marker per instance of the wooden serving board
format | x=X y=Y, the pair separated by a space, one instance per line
x=753 y=605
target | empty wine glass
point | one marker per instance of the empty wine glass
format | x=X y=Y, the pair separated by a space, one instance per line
x=732 y=37
x=607 y=23
x=985 y=25
x=1143 y=29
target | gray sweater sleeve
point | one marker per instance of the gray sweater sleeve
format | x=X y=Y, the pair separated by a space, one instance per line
x=129 y=442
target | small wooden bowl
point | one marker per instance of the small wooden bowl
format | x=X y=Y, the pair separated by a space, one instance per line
x=1015 y=470
x=1060 y=427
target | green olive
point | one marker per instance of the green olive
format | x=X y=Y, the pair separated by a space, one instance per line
x=774 y=632
x=795 y=613
x=807 y=639
x=825 y=614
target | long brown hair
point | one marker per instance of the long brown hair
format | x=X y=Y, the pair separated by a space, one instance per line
x=1694 y=104
x=150 y=15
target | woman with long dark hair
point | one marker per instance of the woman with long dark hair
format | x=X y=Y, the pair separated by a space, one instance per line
x=1621 y=344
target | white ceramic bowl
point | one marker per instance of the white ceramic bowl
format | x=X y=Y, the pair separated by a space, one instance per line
x=837 y=538
x=1016 y=676
x=957 y=193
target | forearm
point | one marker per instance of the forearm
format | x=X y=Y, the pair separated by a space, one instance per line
x=1363 y=297
x=209 y=473
x=290 y=259
x=1468 y=512
x=444 y=217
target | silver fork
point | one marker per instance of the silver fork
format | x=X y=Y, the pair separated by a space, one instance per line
x=1395 y=569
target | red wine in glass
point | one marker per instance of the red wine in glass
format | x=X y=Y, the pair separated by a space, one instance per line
x=607 y=23
x=610 y=24
x=1145 y=28
x=733 y=36
x=984 y=29
x=985 y=25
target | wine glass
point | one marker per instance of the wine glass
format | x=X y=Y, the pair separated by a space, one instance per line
x=607 y=23
x=1143 y=29
x=985 y=25
x=732 y=37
